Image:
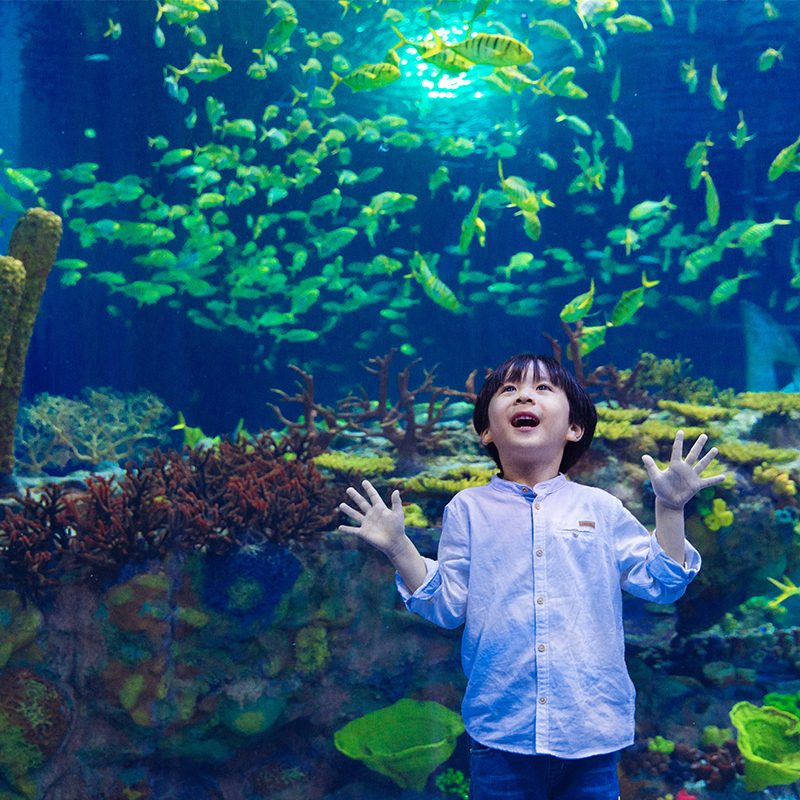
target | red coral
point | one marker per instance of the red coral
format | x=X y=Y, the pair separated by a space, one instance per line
x=248 y=491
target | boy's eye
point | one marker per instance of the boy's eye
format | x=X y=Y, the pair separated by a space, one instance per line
x=545 y=386
x=508 y=388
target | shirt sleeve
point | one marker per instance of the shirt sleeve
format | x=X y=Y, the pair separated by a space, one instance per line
x=647 y=571
x=442 y=597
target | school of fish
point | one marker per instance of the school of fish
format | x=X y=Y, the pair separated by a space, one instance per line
x=290 y=271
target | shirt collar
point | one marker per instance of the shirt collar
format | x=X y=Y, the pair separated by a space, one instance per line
x=542 y=488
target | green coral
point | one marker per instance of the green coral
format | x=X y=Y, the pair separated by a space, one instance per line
x=719 y=516
x=18 y=626
x=453 y=782
x=753 y=452
x=633 y=415
x=780 y=480
x=712 y=735
x=311 y=649
x=659 y=744
x=349 y=466
x=665 y=431
x=769 y=402
x=693 y=412
x=670 y=378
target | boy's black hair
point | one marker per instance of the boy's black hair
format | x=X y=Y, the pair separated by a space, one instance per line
x=581 y=408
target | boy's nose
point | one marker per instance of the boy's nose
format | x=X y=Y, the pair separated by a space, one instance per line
x=524 y=397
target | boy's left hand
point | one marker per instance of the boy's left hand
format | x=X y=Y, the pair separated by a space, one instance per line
x=681 y=481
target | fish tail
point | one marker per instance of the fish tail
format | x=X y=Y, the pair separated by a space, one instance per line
x=336 y=81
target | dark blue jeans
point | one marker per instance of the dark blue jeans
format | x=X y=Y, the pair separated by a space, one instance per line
x=499 y=775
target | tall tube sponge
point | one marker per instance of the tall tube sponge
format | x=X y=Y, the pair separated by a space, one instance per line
x=23 y=277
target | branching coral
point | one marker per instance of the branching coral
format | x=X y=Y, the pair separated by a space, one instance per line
x=244 y=492
x=769 y=402
x=753 y=452
x=106 y=426
x=348 y=466
x=694 y=412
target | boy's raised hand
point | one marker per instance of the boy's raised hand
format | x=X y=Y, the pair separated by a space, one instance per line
x=681 y=481
x=381 y=526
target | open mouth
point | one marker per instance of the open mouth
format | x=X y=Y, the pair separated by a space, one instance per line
x=525 y=420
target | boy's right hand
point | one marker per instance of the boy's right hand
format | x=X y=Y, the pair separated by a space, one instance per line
x=381 y=526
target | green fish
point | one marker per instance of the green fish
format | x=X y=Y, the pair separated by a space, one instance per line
x=729 y=288
x=579 y=306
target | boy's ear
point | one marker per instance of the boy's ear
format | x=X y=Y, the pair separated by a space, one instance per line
x=575 y=432
x=486 y=437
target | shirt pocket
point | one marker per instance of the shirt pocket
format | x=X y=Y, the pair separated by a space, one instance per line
x=582 y=537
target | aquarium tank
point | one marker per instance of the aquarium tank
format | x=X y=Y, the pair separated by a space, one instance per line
x=257 y=251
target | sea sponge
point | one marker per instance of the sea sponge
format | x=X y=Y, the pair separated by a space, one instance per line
x=34 y=242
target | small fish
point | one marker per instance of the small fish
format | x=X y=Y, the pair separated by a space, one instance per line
x=768 y=58
x=689 y=75
x=630 y=24
x=712 y=200
x=196 y=34
x=666 y=13
x=159 y=40
x=434 y=287
x=97 y=57
x=114 y=29
x=618 y=189
x=622 y=136
x=551 y=28
x=616 y=84
x=717 y=94
x=728 y=288
x=548 y=162
x=576 y=123
x=770 y=12
x=785 y=160
x=473 y=224
x=203 y=69
x=756 y=233
x=740 y=136
x=630 y=302
x=650 y=207
x=367 y=77
x=485 y=48
x=579 y=306
x=437 y=178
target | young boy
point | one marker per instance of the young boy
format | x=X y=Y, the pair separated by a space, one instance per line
x=534 y=565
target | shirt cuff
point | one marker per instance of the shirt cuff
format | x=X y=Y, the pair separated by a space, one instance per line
x=426 y=590
x=670 y=572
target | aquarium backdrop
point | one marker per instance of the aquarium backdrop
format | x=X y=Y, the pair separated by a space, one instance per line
x=259 y=251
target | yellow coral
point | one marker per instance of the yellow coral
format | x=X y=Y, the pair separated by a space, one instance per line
x=751 y=452
x=694 y=412
x=788 y=589
x=414 y=516
x=720 y=516
x=769 y=402
x=780 y=480
x=608 y=414
x=348 y=465
x=451 y=482
x=665 y=431
x=618 y=429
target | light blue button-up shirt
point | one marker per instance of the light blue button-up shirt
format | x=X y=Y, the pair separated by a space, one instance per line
x=537 y=576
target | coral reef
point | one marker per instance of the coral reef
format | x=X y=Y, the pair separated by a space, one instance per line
x=242 y=493
x=105 y=426
x=34 y=242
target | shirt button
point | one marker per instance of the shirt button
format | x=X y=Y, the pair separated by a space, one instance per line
x=575 y=533
x=540 y=600
x=542 y=700
x=541 y=648
x=537 y=506
x=540 y=552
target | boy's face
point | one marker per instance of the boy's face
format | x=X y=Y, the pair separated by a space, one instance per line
x=529 y=422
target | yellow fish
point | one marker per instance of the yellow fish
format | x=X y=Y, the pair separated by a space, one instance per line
x=740 y=136
x=766 y=59
x=434 y=287
x=712 y=200
x=473 y=223
x=786 y=159
x=367 y=77
x=204 y=69
x=717 y=94
x=689 y=75
x=493 y=49
x=446 y=60
x=728 y=288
